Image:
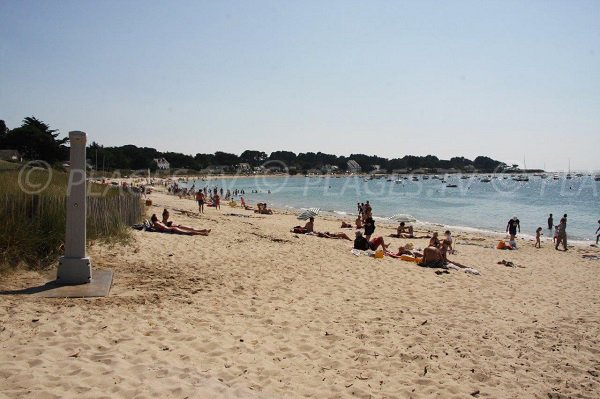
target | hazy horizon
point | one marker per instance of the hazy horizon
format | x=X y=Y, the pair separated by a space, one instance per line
x=504 y=79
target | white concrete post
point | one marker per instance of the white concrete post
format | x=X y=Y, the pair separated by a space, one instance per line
x=74 y=267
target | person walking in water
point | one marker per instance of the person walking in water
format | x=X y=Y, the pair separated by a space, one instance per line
x=562 y=234
x=550 y=222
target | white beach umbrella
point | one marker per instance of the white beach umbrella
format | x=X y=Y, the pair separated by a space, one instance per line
x=308 y=213
x=402 y=217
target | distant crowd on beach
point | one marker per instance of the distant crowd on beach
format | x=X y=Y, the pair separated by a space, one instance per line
x=364 y=222
x=559 y=230
x=434 y=255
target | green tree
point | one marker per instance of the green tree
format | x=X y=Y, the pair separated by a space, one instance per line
x=3 y=129
x=226 y=159
x=253 y=157
x=35 y=140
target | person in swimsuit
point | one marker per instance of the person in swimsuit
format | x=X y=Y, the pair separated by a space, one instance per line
x=179 y=229
x=358 y=222
x=446 y=245
x=405 y=231
x=308 y=227
x=434 y=241
x=200 y=201
x=597 y=235
x=369 y=227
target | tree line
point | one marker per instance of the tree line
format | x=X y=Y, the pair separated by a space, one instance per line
x=35 y=140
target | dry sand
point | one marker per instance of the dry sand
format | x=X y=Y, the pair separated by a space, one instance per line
x=255 y=311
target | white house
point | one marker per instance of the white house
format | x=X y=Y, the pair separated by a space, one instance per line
x=161 y=163
x=244 y=168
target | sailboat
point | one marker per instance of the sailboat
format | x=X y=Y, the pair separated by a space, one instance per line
x=522 y=177
x=569 y=177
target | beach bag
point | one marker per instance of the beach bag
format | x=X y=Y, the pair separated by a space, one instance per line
x=379 y=254
x=501 y=245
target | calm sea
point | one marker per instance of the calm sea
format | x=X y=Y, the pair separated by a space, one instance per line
x=472 y=204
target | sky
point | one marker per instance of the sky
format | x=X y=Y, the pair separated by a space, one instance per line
x=514 y=80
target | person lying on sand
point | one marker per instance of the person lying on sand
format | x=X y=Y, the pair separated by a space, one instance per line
x=308 y=227
x=407 y=249
x=345 y=225
x=244 y=205
x=179 y=229
x=363 y=244
x=336 y=236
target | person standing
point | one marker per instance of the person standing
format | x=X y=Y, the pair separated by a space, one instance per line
x=200 y=200
x=562 y=234
x=369 y=225
x=512 y=226
x=565 y=217
x=538 y=233
x=550 y=222
x=597 y=235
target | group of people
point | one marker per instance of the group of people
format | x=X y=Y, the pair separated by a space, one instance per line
x=560 y=232
x=434 y=255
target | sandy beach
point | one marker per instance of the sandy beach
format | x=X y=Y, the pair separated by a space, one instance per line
x=253 y=310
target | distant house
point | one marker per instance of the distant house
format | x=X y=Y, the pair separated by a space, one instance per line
x=10 y=155
x=161 y=163
x=244 y=168
x=353 y=166
x=330 y=168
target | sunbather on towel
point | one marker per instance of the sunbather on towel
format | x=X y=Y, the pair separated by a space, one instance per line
x=407 y=250
x=327 y=234
x=179 y=229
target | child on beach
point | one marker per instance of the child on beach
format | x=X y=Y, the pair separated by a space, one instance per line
x=538 y=233
x=555 y=234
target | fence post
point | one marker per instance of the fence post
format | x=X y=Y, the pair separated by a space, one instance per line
x=74 y=267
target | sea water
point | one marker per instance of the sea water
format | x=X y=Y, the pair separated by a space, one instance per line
x=472 y=204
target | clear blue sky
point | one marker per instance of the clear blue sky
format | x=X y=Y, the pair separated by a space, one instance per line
x=498 y=78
